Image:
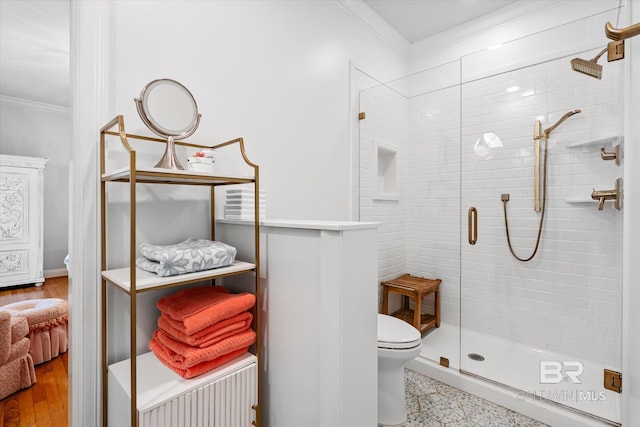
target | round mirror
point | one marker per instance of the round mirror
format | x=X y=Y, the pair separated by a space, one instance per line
x=169 y=110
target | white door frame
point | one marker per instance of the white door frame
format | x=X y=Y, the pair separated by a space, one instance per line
x=88 y=65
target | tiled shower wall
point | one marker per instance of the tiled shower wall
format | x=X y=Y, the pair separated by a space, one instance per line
x=567 y=299
x=433 y=193
x=386 y=125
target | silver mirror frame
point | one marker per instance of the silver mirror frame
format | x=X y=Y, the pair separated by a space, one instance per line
x=169 y=159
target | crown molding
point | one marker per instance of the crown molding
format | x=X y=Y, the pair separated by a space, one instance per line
x=366 y=16
x=516 y=20
x=40 y=106
x=499 y=18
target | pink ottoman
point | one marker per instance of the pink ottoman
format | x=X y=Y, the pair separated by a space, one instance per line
x=48 y=319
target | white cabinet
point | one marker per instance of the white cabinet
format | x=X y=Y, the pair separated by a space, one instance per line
x=21 y=219
x=220 y=398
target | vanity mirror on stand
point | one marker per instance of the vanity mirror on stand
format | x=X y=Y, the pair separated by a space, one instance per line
x=168 y=109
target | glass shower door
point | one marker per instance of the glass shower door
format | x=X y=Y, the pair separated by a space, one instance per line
x=550 y=327
x=409 y=181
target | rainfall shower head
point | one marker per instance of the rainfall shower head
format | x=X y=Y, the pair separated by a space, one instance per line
x=591 y=67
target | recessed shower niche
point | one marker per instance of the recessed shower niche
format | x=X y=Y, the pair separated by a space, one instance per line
x=386 y=173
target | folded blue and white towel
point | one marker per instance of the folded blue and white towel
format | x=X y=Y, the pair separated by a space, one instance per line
x=185 y=257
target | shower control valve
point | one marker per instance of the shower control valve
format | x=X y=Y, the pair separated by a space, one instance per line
x=602 y=195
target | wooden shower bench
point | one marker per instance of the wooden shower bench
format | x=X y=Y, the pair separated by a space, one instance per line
x=417 y=288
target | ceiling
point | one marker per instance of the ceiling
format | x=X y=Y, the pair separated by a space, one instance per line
x=419 y=19
x=34 y=50
x=35 y=40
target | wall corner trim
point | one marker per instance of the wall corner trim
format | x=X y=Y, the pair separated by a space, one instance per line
x=366 y=16
x=9 y=100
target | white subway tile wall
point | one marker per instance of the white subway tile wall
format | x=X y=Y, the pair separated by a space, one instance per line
x=433 y=225
x=386 y=125
x=568 y=298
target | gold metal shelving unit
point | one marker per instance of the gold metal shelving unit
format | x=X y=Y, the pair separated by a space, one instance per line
x=132 y=280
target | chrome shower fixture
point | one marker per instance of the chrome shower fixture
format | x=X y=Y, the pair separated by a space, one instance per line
x=591 y=67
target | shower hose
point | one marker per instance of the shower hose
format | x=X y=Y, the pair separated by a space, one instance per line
x=544 y=205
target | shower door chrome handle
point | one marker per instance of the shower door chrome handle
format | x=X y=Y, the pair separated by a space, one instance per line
x=472 y=225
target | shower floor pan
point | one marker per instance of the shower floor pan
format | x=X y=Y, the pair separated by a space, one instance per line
x=531 y=376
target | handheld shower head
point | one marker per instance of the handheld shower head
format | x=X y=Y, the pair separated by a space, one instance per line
x=538 y=133
x=591 y=67
x=559 y=122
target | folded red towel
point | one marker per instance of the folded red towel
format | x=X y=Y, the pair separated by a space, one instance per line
x=209 y=335
x=164 y=355
x=188 y=356
x=198 y=308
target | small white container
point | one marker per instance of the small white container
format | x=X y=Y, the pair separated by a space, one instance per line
x=200 y=164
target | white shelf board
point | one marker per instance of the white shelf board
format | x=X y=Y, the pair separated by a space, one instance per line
x=145 y=280
x=580 y=200
x=615 y=140
x=156 y=383
x=161 y=175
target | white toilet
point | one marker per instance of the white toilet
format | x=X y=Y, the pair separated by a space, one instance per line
x=398 y=343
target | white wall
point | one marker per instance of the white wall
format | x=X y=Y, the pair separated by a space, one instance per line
x=42 y=130
x=273 y=72
x=276 y=73
x=318 y=355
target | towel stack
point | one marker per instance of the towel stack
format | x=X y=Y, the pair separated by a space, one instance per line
x=240 y=204
x=202 y=328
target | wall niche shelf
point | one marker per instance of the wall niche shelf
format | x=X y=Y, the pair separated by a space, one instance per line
x=386 y=173
x=579 y=200
x=613 y=140
x=136 y=388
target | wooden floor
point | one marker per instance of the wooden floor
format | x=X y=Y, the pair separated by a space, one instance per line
x=45 y=404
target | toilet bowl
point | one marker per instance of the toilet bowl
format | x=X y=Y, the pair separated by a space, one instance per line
x=398 y=343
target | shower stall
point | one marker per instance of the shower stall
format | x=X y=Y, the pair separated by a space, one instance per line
x=438 y=153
